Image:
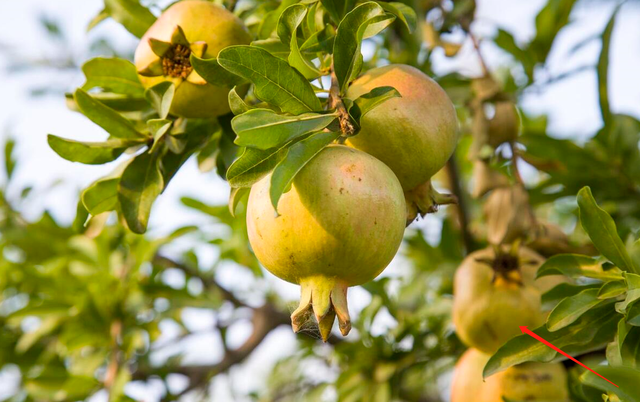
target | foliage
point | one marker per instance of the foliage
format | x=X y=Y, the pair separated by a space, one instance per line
x=84 y=305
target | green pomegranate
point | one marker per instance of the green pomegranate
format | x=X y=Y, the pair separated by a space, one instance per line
x=544 y=382
x=495 y=295
x=340 y=225
x=414 y=135
x=191 y=26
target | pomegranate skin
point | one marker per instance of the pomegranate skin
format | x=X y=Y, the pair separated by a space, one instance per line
x=340 y=225
x=201 y=21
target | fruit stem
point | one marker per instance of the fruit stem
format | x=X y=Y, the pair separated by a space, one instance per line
x=335 y=102
x=324 y=298
x=424 y=199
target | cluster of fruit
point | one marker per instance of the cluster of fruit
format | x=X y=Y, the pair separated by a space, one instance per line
x=343 y=219
x=496 y=292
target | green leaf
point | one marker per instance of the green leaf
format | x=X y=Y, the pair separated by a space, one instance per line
x=572 y=308
x=577 y=266
x=113 y=75
x=369 y=101
x=101 y=196
x=508 y=43
x=297 y=157
x=264 y=129
x=612 y=289
x=134 y=17
x=211 y=71
x=603 y=69
x=549 y=21
x=158 y=128
x=253 y=165
x=602 y=231
x=90 y=153
x=273 y=46
x=236 y=103
x=160 y=96
x=347 y=59
x=288 y=25
x=110 y=120
x=237 y=195
x=338 y=8
x=270 y=20
x=140 y=185
x=626 y=379
x=403 y=12
x=633 y=314
x=275 y=81
x=580 y=335
x=552 y=297
x=9 y=161
x=633 y=292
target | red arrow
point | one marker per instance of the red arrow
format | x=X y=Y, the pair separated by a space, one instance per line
x=527 y=331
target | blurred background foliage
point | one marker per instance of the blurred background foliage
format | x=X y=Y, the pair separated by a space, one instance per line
x=84 y=311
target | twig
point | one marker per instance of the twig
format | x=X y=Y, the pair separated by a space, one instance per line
x=265 y=319
x=335 y=102
x=206 y=280
x=463 y=212
x=114 y=360
x=483 y=63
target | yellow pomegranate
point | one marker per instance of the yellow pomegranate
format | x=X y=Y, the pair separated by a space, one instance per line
x=414 y=135
x=544 y=382
x=191 y=26
x=495 y=295
x=340 y=225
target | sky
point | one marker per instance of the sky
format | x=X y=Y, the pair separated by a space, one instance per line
x=571 y=105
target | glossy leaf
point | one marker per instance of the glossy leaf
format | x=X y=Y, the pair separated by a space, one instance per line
x=141 y=183
x=131 y=14
x=576 y=266
x=369 y=101
x=338 y=8
x=525 y=348
x=403 y=12
x=602 y=231
x=288 y=25
x=113 y=75
x=347 y=59
x=91 y=153
x=161 y=96
x=238 y=194
x=110 y=120
x=253 y=165
x=214 y=74
x=626 y=379
x=275 y=81
x=101 y=196
x=236 y=103
x=264 y=129
x=158 y=128
x=572 y=308
x=296 y=159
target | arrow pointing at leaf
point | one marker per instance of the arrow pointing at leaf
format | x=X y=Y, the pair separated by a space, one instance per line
x=527 y=331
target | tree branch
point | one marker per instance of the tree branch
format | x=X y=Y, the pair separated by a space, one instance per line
x=208 y=281
x=463 y=212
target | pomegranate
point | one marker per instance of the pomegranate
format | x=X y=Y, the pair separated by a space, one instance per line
x=525 y=382
x=495 y=294
x=414 y=135
x=340 y=225
x=191 y=26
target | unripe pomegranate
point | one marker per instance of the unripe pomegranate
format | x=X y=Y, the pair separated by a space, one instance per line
x=190 y=26
x=414 y=135
x=495 y=295
x=340 y=225
x=545 y=382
